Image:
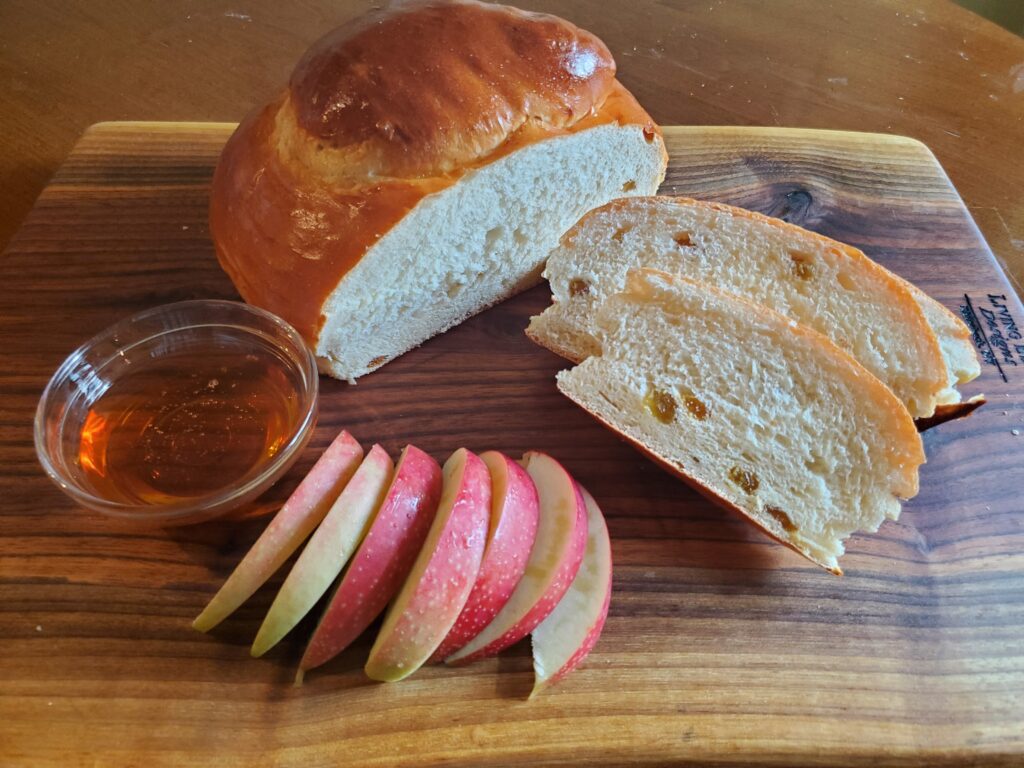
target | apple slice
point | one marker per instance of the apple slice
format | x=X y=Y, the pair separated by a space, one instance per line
x=301 y=513
x=383 y=560
x=568 y=634
x=442 y=576
x=514 y=511
x=328 y=549
x=554 y=561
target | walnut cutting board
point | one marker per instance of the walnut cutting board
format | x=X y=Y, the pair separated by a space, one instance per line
x=721 y=646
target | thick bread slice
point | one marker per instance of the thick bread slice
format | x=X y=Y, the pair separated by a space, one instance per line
x=828 y=286
x=478 y=242
x=753 y=409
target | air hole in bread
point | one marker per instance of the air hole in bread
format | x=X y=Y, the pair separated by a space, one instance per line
x=493 y=236
x=578 y=287
x=846 y=281
x=782 y=518
x=520 y=237
x=801 y=263
x=454 y=289
x=378 y=361
x=683 y=239
x=629 y=186
x=661 y=405
x=816 y=464
x=621 y=231
x=745 y=479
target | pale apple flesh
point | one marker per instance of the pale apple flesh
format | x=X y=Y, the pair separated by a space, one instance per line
x=328 y=549
x=442 y=576
x=300 y=515
x=554 y=560
x=571 y=630
x=384 y=558
x=513 y=527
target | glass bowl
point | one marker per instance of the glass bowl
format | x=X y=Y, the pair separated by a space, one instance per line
x=180 y=413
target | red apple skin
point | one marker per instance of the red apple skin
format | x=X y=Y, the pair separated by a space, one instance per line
x=597 y=558
x=442 y=576
x=593 y=634
x=569 y=563
x=330 y=547
x=383 y=560
x=514 y=512
x=300 y=514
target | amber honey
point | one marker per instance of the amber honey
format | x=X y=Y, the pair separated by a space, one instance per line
x=187 y=425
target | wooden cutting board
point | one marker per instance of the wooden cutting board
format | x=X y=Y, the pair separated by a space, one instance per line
x=721 y=646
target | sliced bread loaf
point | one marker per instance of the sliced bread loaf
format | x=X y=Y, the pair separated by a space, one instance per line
x=895 y=331
x=751 y=408
x=420 y=165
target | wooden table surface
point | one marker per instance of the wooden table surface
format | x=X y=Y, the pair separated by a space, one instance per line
x=926 y=68
x=721 y=645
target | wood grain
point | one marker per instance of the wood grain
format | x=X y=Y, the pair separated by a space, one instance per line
x=926 y=69
x=721 y=646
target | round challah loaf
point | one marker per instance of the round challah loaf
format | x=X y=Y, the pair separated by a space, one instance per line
x=419 y=167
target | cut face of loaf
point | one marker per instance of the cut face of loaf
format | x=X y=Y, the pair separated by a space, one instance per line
x=413 y=173
x=751 y=408
x=830 y=287
x=478 y=242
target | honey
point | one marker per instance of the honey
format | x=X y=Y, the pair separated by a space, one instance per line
x=187 y=425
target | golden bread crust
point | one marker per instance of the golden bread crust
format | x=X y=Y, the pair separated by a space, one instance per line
x=425 y=89
x=293 y=210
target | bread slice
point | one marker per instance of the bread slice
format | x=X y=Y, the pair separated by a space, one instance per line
x=962 y=364
x=826 y=285
x=760 y=413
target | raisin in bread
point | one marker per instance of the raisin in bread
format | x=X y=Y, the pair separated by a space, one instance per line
x=419 y=167
x=908 y=340
x=753 y=409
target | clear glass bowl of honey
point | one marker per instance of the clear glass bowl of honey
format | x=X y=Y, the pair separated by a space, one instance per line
x=180 y=413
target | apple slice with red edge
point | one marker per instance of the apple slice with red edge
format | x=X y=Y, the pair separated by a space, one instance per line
x=514 y=512
x=383 y=560
x=570 y=631
x=442 y=576
x=327 y=550
x=554 y=560
x=292 y=524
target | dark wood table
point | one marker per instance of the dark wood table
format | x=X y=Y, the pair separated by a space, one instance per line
x=99 y=666
x=927 y=69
